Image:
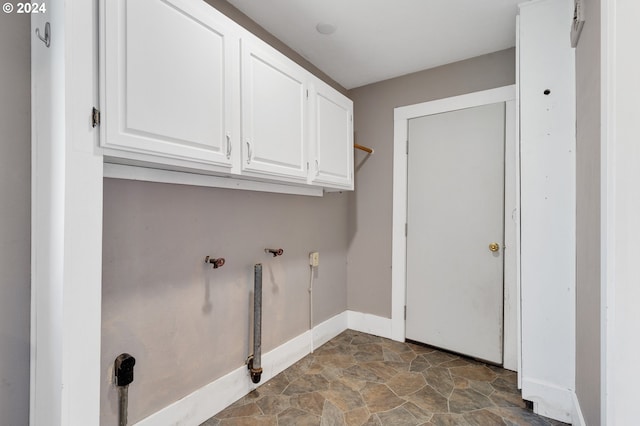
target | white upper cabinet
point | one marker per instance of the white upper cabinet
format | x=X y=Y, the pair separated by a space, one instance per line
x=185 y=88
x=274 y=108
x=331 y=159
x=169 y=83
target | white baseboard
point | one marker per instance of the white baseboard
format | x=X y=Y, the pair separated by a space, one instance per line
x=329 y=329
x=368 y=323
x=549 y=400
x=209 y=400
x=578 y=418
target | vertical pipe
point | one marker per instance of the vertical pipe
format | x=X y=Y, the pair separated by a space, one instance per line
x=256 y=364
x=123 y=396
x=311 y=305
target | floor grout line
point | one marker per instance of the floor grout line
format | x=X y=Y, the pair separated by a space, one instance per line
x=353 y=372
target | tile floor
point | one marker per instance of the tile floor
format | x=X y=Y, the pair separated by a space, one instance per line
x=359 y=379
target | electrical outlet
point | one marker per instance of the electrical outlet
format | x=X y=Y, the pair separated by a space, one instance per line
x=314 y=258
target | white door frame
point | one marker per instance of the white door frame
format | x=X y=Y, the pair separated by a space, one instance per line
x=66 y=218
x=402 y=115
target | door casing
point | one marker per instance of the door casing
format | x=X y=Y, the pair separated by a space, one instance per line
x=507 y=94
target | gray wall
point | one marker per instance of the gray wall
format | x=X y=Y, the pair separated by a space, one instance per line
x=370 y=206
x=15 y=214
x=186 y=323
x=588 y=216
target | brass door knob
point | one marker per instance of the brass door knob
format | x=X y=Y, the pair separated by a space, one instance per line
x=494 y=247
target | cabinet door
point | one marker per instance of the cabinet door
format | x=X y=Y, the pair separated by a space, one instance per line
x=169 y=80
x=274 y=97
x=332 y=140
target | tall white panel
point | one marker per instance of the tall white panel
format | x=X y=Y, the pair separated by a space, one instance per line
x=548 y=143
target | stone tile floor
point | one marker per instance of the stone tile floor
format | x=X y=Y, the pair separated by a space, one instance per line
x=359 y=379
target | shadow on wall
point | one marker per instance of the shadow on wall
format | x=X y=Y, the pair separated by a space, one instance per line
x=361 y=159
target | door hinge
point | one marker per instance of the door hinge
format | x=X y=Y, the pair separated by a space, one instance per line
x=307 y=93
x=95 y=117
x=405 y=312
x=407 y=147
x=406 y=229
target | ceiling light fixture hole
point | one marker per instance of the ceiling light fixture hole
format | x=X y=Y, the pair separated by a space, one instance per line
x=325 y=29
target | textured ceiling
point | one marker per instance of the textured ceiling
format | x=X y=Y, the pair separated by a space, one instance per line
x=380 y=39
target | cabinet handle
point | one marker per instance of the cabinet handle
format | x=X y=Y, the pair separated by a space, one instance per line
x=248 y=153
x=228 y=146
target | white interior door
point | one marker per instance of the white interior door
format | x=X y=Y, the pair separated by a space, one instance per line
x=455 y=211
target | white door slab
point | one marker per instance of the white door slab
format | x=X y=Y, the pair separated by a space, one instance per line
x=455 y=210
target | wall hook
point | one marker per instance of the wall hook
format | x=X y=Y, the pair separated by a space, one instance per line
x=274 y=252
x=217 y=262
x=47 y=34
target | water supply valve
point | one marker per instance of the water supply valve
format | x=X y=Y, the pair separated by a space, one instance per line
x=216 y=262
x=274 y=252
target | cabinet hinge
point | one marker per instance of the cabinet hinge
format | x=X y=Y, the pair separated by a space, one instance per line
x=95 y=117
x=307 y=93
x=405 y=312
x=407 y=146
x=406 y=229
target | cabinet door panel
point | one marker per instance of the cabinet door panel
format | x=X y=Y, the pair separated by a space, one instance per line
x=168 y=80
x=333 y=137
x=273 y=113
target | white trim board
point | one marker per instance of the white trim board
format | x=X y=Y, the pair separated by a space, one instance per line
x=402 y=115
x=125 y=171
x=66 y=219
x=209 y=400
x=608 y=113
x=370 y=324
x=550 y=400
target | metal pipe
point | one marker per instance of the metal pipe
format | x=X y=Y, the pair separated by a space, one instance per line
x=311 y=305
x=255 y=362
x=123 y=397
